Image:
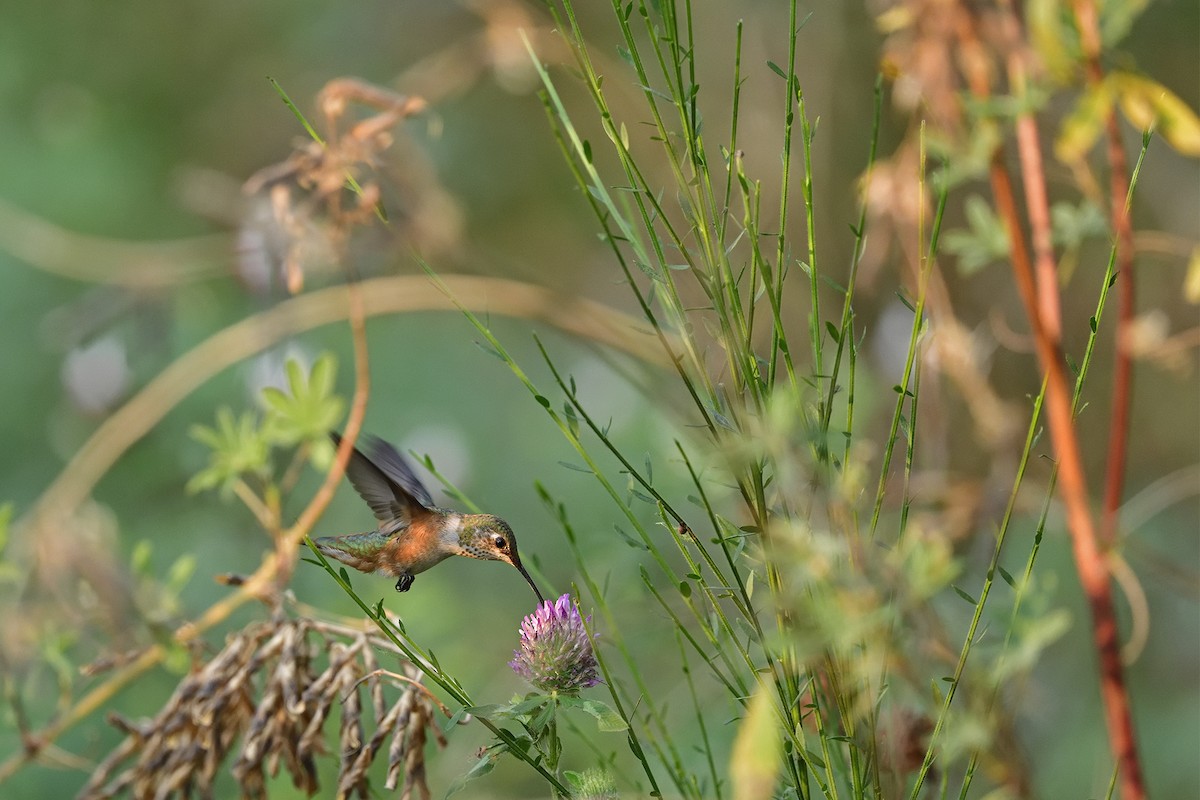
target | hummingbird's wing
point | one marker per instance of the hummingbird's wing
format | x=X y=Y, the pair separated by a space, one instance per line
x=386 y=482
x=396 y=468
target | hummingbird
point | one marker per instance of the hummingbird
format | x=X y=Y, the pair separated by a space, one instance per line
x=413 y=533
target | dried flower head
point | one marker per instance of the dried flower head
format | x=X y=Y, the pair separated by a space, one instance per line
x=556 y=651
x=308 y=205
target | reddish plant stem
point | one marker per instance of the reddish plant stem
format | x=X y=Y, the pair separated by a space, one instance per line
x=1122 y=390
x=1033 y=172
x=1089 y=558
x=1038 y=206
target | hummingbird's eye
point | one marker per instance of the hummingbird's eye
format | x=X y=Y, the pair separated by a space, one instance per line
x=500 y=542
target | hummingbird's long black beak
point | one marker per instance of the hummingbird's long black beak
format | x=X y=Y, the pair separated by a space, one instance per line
x=532 y=585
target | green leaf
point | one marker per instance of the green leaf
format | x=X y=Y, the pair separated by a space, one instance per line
x=572 y=419
x=320 y=381
x=963 y=594
x=310 y=410
x=180 y=572
x=1007 y=577
x=1071 y=225
x=295 y=376
x=629 y=540
x=649 y=270
x=485 y=764
x=645 y=498
x=1033 y=636
x=531 y=702
x=541 y=718
x=457 y=717
x=481 y=711
x=276 y=400
x=238 y=448
x=491 y=351
x=983 y=242
x=757 y=751
x=608 y=720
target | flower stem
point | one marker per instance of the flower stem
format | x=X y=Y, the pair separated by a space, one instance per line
x=553 y=745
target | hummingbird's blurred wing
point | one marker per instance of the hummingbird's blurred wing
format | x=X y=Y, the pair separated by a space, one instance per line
x=396 y=468
x=385 y=481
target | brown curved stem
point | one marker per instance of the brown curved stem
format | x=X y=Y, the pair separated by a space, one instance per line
x=583 y=318
x=99 y=259
x=259 y=584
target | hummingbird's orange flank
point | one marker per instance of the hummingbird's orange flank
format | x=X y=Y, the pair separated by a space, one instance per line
x=413 y=533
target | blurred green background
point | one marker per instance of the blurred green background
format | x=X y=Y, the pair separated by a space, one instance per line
x=138 y=122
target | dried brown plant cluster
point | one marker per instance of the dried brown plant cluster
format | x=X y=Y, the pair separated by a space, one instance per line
x=315 y=197
x=262 y=703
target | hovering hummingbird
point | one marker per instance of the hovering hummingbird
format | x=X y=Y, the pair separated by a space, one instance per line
x=413 y=533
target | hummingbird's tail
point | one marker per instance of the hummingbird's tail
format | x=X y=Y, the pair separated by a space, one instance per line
x=358 y=550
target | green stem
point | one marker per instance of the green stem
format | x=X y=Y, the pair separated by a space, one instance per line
x=554 y=745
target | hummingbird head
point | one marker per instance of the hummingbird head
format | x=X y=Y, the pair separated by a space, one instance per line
x=488 y=537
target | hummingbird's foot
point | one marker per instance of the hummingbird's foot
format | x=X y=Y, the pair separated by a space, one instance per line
x=405 y=582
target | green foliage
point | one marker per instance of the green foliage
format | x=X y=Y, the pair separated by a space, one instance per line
x=241 y=446
x=1072 y=224
x=238 y=448
x=984 y=242
x=310 y=410
x=156 y=594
